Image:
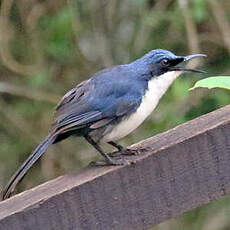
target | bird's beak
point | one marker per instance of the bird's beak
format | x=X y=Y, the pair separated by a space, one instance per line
x=185 y=59
x=190 y=57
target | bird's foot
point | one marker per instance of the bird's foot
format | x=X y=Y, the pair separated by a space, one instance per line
x=130 y=152
x=115 y=154
x=124 y=152
x=109 y=162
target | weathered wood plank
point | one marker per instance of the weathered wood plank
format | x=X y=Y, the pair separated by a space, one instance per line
x=177 y=171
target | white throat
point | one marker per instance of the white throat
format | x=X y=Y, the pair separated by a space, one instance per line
x=157 y=86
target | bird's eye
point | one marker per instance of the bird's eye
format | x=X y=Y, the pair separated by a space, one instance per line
x=165 y=62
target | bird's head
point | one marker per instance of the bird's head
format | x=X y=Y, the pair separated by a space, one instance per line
x=161 y=61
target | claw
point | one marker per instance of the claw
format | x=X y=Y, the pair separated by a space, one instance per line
x=115 y=154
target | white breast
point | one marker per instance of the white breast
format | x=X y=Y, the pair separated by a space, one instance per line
x=156 y=89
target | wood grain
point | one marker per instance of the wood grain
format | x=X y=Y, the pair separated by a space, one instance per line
x=176 y=171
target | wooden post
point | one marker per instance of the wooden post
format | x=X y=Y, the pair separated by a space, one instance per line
x=176 y=171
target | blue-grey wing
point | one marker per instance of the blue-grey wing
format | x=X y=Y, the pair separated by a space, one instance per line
x=94 y=103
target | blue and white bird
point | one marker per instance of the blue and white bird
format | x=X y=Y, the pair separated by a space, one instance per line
x=110 y=105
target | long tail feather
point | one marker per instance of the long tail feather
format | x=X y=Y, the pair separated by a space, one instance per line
x=21 y=172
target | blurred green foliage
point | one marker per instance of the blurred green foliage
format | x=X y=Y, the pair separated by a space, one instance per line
x=47 y=47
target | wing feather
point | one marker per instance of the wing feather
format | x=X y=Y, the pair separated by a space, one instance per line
x=84 y=119
x=95 y=103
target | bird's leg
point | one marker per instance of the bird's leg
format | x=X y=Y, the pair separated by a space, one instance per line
x=119 y=147
x=108 y=160
x=121 y=150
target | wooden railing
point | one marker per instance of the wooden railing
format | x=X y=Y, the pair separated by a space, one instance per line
x=175 y=171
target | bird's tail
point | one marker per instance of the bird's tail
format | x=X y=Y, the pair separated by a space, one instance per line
x=20 y=173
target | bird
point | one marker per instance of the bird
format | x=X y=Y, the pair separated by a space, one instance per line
x=109 y=105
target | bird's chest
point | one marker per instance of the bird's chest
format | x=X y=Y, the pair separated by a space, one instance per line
x=156 y=88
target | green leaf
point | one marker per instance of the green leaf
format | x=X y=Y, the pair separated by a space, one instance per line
x=213 y=82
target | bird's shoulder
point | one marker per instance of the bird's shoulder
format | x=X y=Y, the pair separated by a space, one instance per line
x=74 y=93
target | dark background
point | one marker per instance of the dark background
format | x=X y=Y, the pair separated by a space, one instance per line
x=47 y=47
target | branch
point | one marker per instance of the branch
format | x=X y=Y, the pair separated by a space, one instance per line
x=30 y=94
x=176 y=171
x=219 y=14
x=192 y=35
x=5 y=33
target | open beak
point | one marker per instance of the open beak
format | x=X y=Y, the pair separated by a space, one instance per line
x=188 y=58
